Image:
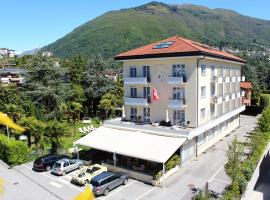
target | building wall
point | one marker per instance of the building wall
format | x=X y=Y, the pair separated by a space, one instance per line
x=207 y=139
x=161 y=70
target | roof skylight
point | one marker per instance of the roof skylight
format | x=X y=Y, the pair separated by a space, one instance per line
x=163 y=45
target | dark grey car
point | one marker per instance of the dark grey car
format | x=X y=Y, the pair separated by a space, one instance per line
x=106 y=181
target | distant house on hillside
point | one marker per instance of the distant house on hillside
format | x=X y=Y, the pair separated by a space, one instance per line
x=11 y=75
x=4 y=52
x=246 y=88
x=47 y=54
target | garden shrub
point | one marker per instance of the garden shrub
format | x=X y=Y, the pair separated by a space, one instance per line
x=13 y=152
x=264 y=100
x=172 y=162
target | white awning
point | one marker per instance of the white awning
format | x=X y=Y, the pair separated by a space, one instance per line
x=145 y=146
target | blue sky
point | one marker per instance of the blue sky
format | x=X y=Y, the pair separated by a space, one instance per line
x=27 y=24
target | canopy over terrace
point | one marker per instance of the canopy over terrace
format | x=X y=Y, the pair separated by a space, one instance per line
x=140 y=145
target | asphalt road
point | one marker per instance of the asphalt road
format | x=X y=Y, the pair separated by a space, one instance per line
x=22 y=183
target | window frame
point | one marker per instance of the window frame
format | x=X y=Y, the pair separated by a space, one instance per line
x=203 y=116
x=203 y=94
x=203 y=70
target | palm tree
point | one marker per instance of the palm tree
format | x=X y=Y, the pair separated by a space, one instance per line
x=34 y=128
x=54 y=131
x=74 y=109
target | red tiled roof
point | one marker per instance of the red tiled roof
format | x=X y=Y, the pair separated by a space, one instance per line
x=180 y=47
x=246 y=85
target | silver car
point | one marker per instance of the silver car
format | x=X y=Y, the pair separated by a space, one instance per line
x=106 y=181
x=63 y=166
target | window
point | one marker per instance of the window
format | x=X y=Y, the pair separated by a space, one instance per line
x=203 y=70
x=178 y=93
x=178 y=70
x=146 y=72
x=133 y=92
x=178 y=117
x=133 y=114
x=132 y=72
x=203 y=91
x=163 y=45
x=213 y=89
x=146 y=94
x=212 y=71
x=203 y=114
x=146 y=115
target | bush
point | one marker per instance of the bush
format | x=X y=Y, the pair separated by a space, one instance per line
x=13 y=152
x=264 y=100
x=172 y=162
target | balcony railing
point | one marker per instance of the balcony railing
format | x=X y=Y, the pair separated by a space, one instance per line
x=233 y=79
x=177 y=80
x=233 y=96
x=135 y=80
x=226 y=97
x=136 y=101
x=177 y=104
x=238 y=79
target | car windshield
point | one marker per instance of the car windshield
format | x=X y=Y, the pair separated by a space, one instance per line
x=94 y=183
x=57 y=165
x=90 y=171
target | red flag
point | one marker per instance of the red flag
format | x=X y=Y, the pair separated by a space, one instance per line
x=155 y=94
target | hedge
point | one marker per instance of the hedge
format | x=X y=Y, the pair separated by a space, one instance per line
x=13 y=152
x=264 y=100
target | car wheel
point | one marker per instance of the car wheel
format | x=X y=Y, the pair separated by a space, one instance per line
x=125 y=181
x=80 y=166
x=106 y=192
x=86 y=182
x=48 y=168
x=64 y=173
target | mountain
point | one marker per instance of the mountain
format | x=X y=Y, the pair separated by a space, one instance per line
x=29 y=52
x=118 y=31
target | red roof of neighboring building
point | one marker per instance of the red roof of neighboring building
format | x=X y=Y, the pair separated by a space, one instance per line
x=246 y=85
x=179 y=47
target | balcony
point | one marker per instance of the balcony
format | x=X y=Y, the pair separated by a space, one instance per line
x=226 y=97
x=243 y=78
x=216 y=99
x=233 y=79
x=217 y=79
x=238 y=79
x=176 y=80
x=135 y=80
x=176 y=104
x=136 y=101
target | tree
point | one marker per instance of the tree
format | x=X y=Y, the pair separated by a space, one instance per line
x=34 y=128
x=74 y=109
x=233 y=166
x=108 y=103
x=54 y=131
x=46 y=86
x=95 y=83
x=14 y=111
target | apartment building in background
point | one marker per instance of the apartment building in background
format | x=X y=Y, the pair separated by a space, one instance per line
x=4 y=52
x=179 y=96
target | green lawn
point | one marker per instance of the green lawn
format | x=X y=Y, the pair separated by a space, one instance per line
x=67 y=142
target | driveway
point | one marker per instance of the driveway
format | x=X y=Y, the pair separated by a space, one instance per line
x=208 y=167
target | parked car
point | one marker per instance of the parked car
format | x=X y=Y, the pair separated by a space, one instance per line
x=45 y=163
x=103 y=183
x=85 y=175
x=63 y=166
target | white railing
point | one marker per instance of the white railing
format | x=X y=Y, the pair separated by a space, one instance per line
x=217 y=79
x=136 y=101
x=227 y=79
x=135 y=80
x=233 y=79
x=216 y=99
x=175 y=80
x=227 y=97
x=233 y=96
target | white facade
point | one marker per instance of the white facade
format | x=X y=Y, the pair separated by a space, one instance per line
x=7 y=53
x=198 y=95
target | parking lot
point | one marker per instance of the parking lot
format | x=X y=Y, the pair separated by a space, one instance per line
x=179 y=186
x=63 y=189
